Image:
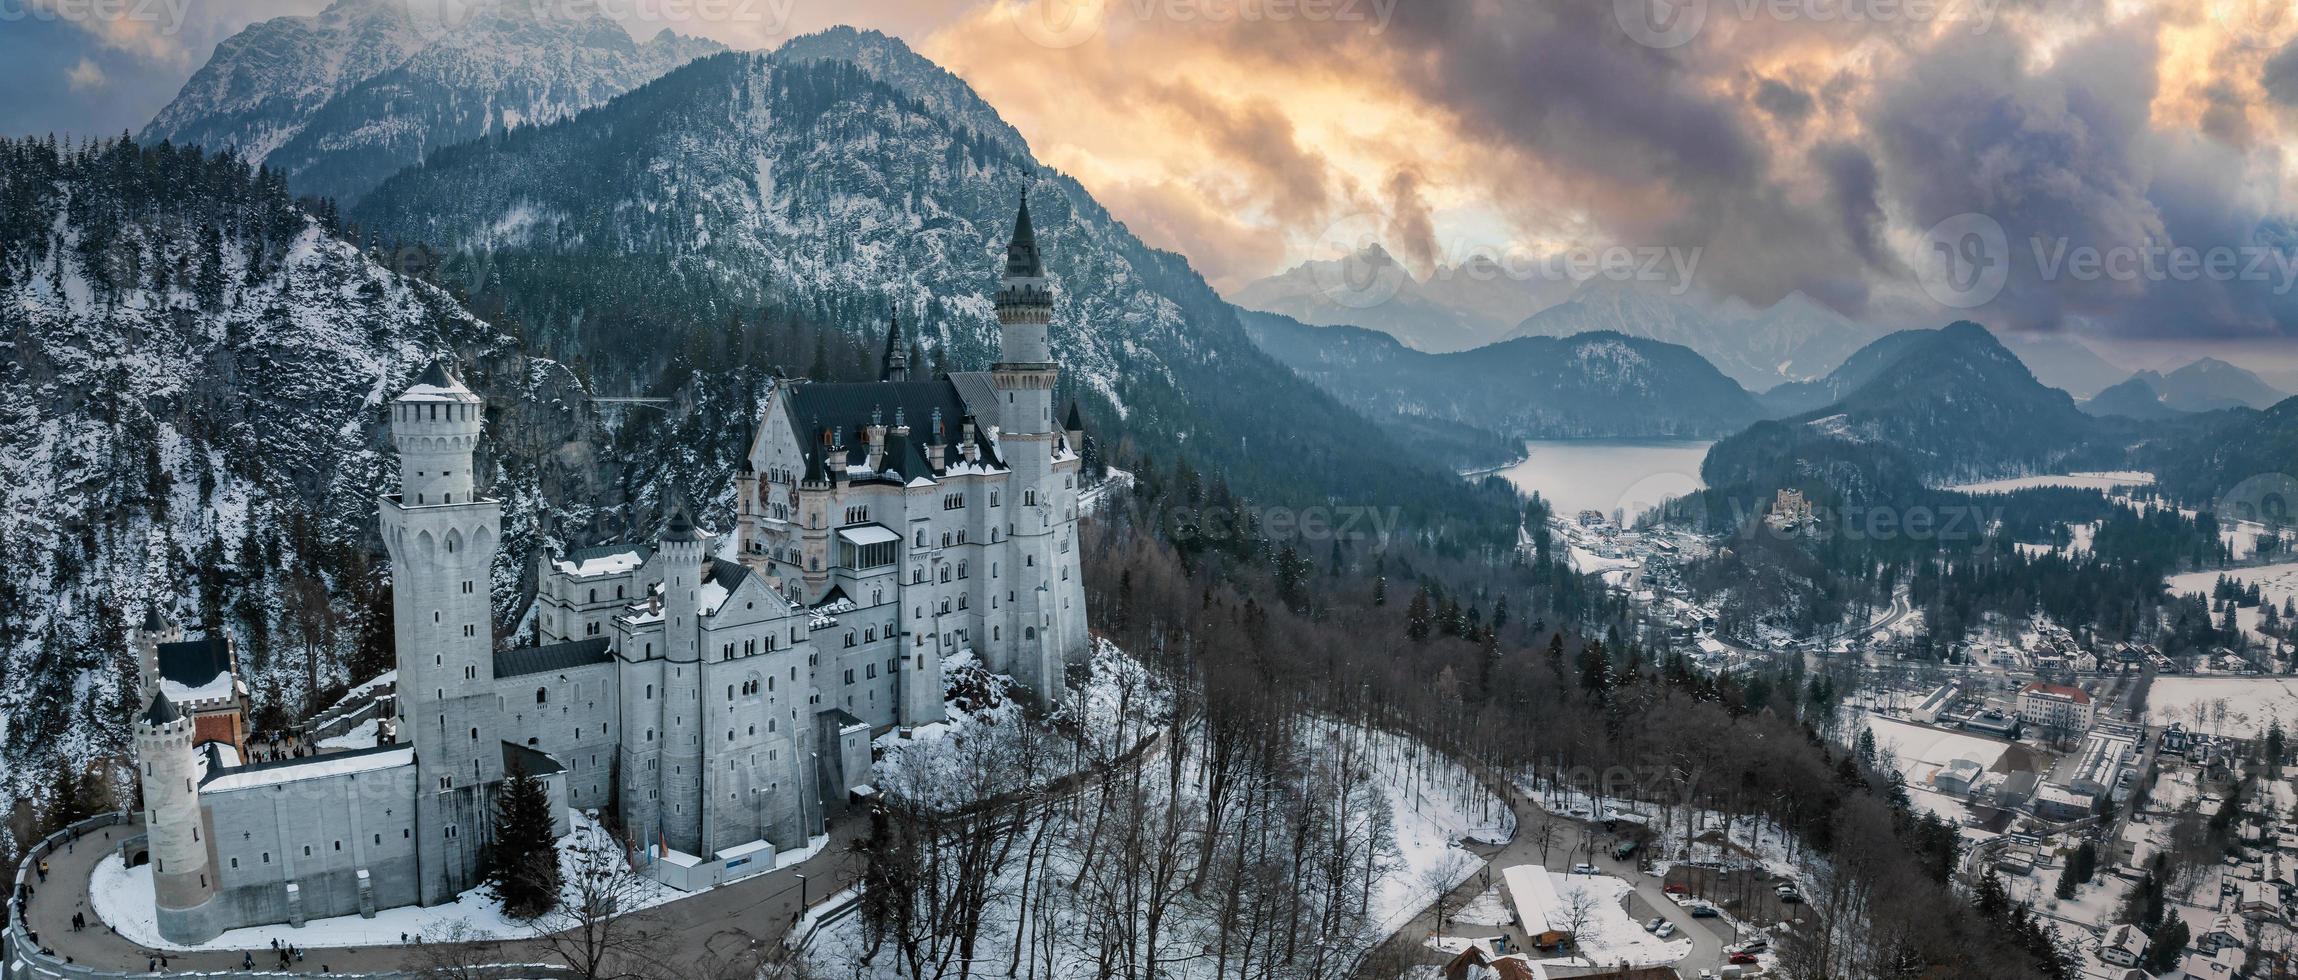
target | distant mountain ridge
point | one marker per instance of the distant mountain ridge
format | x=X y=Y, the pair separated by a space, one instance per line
x=1792 y=340
x=1590 y=385
x=2205 y=385
x=1456 y=307
x=344 y=98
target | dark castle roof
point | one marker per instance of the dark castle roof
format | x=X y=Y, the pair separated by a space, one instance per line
x=552 y=657
x=896 y=358
x=153 y=622
x=850 y=408
x=162 y=711
x=1021 y=258
x=534 y=761
x=193 y=663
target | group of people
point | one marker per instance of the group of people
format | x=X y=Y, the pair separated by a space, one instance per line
x=277 y=747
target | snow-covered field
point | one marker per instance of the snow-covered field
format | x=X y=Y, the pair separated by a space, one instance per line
x=2108 y=480
x=2240 y=706
x=1922 y=749
x=2277 y=584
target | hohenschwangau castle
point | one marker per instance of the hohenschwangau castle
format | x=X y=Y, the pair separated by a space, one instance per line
x=717 y=692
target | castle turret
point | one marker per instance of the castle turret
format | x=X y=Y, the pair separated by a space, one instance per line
x=894 y=365
x=1073 y=430
x=442 y=536
x=182 y=883
x=680 y=550
x=155 y=630
x=817 y=493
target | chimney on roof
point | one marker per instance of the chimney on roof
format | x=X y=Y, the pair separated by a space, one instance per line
x=936 y=445
x=876 y=459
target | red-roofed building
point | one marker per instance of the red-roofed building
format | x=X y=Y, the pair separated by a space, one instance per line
x=2057 y=708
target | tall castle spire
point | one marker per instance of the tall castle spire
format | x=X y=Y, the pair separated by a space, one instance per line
x=894 y=365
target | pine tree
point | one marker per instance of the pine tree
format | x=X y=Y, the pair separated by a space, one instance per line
x=1417 y=617
x=523 y=868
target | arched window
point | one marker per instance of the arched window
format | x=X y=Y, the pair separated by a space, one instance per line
x=542 y=695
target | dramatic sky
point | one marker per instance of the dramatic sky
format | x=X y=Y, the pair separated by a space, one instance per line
x=2116 y=168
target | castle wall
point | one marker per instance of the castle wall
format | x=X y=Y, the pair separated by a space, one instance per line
x=318 y=834
x=577 y=720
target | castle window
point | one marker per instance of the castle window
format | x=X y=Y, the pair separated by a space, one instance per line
x=849 y=637
x=1029 y=633
x=235 y=862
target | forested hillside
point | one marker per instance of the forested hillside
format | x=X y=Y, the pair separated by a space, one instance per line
x=191 y=385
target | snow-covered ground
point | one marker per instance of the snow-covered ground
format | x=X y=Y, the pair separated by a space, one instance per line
x=2240 y=706
x=2277 y=584
x=360 y=736
x=1594 y=909
x=1921 y=749
x=1426 y=803
x=122 y=898
x=2107 y=480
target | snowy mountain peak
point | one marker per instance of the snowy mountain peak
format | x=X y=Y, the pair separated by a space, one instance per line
x=342 y=99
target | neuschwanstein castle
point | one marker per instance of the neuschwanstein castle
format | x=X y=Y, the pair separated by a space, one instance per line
x=719 y=692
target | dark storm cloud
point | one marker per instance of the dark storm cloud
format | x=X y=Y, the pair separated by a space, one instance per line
x=1785 y=102
x=2281 y=76
x=1636 y=133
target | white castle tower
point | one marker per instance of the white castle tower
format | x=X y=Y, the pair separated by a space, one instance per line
x=182 y=883
x=1024 y=377
x=442 y=537
x=681 y=774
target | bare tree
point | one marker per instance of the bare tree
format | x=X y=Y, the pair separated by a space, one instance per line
x=1440 y=878
x=600 y=929
x=1579 y=910
x=461 y=953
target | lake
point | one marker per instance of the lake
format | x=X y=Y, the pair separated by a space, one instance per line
x=1609 y=474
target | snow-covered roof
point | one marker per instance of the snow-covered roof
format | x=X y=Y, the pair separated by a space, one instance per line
x=316 y=767
x=869 y=534
x=603 y=560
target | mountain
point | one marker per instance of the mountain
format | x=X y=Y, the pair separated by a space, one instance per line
x=2232 y=462
x=842 y=179
x=2210 y=384
x=191 y=375
x=2064 y=363
x=1793 y=340
x=2138 y=398
x=1863 y=366
x=344 y=98
x=1589 y=385
x=1952 y=405
x=1455 y=308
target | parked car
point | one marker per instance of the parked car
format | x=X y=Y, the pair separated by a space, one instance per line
x=1583 y=869
x=1655 y=924
x=1665 y=930
x=1743 y=957
x=1704 y=912
x=1791 y=898
x=1756 y=945
x=1677 y=889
